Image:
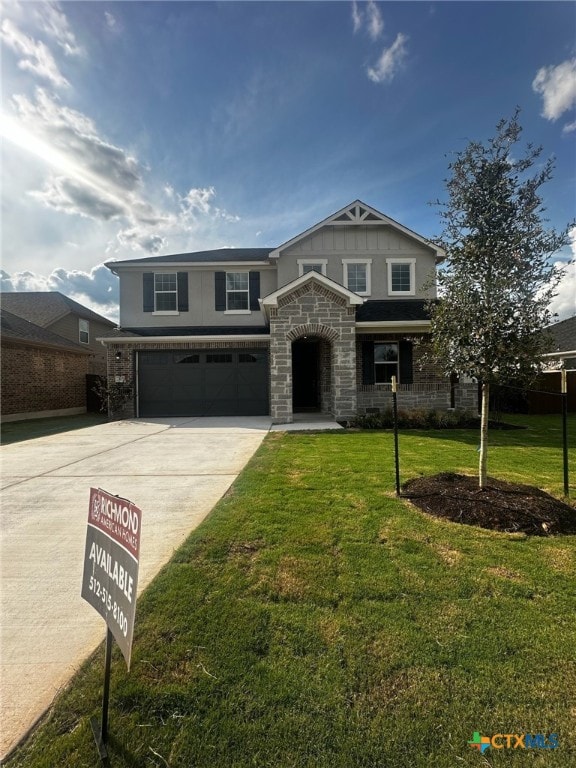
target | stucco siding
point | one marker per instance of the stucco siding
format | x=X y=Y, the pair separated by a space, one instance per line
x=201 y=290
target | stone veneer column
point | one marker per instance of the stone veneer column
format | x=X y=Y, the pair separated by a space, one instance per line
x=312 y=310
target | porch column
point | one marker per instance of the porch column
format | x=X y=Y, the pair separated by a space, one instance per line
x=344 y=373
x=280 y=376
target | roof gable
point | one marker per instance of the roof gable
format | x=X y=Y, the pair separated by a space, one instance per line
x=358 y=213
x=308 y=277
x=17 y=329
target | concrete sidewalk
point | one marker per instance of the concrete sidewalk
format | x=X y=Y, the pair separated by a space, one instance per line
x=175 y=470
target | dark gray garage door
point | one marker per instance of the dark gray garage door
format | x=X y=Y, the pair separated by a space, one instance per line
x=227 y=382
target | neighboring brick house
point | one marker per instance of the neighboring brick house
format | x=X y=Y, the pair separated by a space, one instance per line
x=564 y=340
x=42 y=374
x=65 y=317
x=320 y=323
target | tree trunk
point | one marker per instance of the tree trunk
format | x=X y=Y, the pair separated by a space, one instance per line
x=482 y=474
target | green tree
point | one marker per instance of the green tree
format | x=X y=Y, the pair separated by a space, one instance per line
x=498 y=280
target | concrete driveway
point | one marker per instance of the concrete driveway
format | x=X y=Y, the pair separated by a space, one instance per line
x=175 y=470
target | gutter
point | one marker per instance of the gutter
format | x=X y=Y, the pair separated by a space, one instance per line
x=105 y=341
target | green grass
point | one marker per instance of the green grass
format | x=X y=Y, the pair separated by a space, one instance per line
x=16 y=431
x=314 y=620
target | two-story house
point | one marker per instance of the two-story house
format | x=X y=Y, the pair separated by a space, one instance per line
x=320 y=323
x=65 y=317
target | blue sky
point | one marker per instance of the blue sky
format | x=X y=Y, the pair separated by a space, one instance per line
x=144 y=128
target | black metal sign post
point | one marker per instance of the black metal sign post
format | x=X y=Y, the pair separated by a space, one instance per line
x=565 y=430
x=396 y=456
x=110 y=582
x=101 y=731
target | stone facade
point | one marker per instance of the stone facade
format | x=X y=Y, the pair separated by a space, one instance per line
x=313 y=310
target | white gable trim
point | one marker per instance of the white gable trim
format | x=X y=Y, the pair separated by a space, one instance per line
x=358 y=213
x=272 y=299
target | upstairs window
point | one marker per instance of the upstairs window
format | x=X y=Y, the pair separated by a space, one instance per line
x=312 y=265
x=165 y=292
x=357 y=275
x=401 y=277
x=237 y=291
x=84 y=331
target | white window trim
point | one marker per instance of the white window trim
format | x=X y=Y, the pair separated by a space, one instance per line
x=247 y=311
x=368 y=263
x=412 y=263
x=82 y=330
x=166 y=311
x=305 y=262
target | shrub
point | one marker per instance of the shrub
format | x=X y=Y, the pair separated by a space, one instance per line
x=419 y=418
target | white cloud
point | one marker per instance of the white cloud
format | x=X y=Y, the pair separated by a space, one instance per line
x=390 y=61
x=356 y=16
x=557 y=86
x=70 y=196
x=374 y=20
x=35 y=56
x=111 y=22
x=371 y=17
x=77 y=170
x=52 y=20
x=564 y=303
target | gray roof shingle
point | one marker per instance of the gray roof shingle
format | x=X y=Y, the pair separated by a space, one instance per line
x=198 y=257
x=17 y=329
x=389 y=310
x=46 y=307
x=564 y=334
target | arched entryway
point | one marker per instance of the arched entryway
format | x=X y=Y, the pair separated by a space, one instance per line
x=311 y=375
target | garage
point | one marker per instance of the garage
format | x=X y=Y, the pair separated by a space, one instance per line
x=205 y=382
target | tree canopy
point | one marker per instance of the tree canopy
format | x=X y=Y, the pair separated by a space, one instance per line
x=497 y=282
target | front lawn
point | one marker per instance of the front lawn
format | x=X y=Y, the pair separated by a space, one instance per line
x=314 y=620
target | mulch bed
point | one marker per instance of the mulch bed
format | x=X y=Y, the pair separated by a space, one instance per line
x=500 y=506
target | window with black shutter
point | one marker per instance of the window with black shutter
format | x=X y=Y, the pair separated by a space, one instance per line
x=236 y=291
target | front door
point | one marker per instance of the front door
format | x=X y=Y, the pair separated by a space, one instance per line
x=306 y=375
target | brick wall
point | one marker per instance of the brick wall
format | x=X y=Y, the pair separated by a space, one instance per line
x=36 y=379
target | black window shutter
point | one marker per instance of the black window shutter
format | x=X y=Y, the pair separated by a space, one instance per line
x=367 y=362
x=405 y=351
x=254 y=290
x=148 y=291
x=182 y=291
x=220 y=291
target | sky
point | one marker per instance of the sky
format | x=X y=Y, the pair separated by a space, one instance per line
x=133 y=129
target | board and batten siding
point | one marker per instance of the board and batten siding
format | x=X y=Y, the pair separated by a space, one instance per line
x=374 y=242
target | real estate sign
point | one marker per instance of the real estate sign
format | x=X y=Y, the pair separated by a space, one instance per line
x=111 y=562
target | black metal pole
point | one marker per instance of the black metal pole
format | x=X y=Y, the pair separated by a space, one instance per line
x=101 y=731
x=565 y=432
x=396 y=456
